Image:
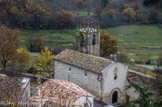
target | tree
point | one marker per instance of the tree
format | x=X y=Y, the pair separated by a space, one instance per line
x=65 y=19
x=104 y=2
x=35 y=45
x=20 y=13
x=158 y=75
x=108 y=44
x=110 y=12
x=153 y=15
x=150 y=2
x=122 y=6
x=139 y=17
x=8 y=45
x=80 y=3
x=136 y=6
x=45 y=60
x=144 y=99
x=98 y=10
x=23 y=58
x=129 y=14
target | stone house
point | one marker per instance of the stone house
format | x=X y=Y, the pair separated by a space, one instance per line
x=104 y=78
x=61 y=93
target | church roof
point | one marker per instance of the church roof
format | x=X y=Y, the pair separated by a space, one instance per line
x=82 y=60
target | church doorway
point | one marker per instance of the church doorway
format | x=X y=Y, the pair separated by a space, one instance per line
x=115 y=97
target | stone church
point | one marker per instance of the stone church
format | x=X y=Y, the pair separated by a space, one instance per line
x=102 y=77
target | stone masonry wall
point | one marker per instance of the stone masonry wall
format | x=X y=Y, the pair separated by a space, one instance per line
x=77 y=76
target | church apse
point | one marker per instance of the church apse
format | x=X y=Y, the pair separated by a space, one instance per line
x=88 y=39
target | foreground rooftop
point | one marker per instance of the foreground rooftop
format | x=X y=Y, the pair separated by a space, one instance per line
x=59 y=91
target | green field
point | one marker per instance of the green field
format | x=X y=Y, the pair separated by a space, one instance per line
x=138 y=42
x=137 y=35
x=60 y=38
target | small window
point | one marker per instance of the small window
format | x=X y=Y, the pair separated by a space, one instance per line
x=115 y=72
x=94 y=40
x=115 y=77
x=69 y=68
x=85 y=73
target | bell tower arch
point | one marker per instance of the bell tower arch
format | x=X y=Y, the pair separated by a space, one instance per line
x=88 y=39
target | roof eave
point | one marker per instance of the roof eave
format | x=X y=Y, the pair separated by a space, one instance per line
x=77 y=66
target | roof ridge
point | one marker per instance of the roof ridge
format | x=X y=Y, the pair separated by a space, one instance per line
x=87 y=54
x=83 y=60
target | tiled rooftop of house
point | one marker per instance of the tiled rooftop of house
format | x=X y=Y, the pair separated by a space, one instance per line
x=82 y=60
x=11 y=87
x=58 y=91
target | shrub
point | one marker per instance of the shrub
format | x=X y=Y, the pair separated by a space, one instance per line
x=148 y=62
x=35 y=45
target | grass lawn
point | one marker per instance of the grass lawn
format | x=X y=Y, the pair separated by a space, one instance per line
x=136 y=41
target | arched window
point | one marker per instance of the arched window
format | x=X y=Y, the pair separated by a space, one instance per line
x=94 y=40
x=82 y=40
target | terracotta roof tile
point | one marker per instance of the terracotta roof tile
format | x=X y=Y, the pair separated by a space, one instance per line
x=11 y=87
x=82 y=60
x=58 y=90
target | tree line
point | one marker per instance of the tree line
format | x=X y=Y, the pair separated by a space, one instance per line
x=39 y=14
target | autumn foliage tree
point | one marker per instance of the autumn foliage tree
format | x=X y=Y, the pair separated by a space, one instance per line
x=23 y=58
x=129 y=14
x=8 y=45
x=122 y=6
x=108 y=44
x=21 y=13
x=80 y=3
x=65 y=19
x=98 y=11
x=110 y=12
x=139 y=17
x=45 y=60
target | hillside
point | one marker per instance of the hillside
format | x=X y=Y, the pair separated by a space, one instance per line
x=111 y=14
x=133 y=40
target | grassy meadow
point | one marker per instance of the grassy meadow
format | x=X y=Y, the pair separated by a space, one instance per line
x=59 y=38
x=138 y=42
